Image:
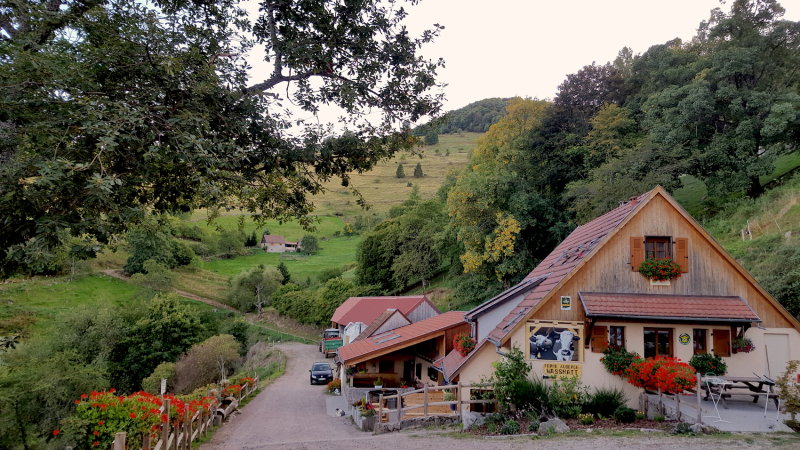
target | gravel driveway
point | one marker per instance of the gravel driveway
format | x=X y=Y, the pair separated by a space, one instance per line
x=291 y=414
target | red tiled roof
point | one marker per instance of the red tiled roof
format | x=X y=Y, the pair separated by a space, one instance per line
x=400 y=337
x=377 y=323
x=678 y=307
x=367 y=309
x=273 y=239
x=563 y=260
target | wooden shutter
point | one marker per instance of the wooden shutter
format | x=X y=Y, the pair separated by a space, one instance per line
x=722 y=342
x=637 y=252
x=682 y=253
x=599 y=338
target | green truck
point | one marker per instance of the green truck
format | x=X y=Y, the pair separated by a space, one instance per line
x=331 y=341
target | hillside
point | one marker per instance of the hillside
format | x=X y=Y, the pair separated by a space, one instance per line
x=382 y=189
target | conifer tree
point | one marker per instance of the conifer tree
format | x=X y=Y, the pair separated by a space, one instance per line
x=400 y=173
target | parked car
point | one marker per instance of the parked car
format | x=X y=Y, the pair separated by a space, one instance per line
x=320 y=372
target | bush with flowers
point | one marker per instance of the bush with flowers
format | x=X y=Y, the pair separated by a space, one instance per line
x=742 y=345
x=463 y=343
x=99 y=415
x=618 y=360
x=661 y=269
x=708 y=363
x=670 y=375
x=334 y=385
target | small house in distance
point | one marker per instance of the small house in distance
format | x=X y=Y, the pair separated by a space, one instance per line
x=273 y=243
x=588 y=294
x=356 y=314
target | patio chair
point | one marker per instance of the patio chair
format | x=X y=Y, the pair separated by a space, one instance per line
x=715 y=387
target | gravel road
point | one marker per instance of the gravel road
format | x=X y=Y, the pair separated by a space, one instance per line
x=291 y=414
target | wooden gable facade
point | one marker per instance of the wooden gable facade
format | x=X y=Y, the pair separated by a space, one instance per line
x=681 y=317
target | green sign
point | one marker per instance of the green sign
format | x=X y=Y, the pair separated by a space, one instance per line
x=684 y=339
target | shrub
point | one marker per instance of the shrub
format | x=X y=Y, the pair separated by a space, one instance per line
x=400 y=173
x=206 y=363
x=669 y=375
x=586 y=419
x=623 y=414
x=230 y=243
x=533 y=426
x=617 y=361
x=640 y=415
x=789 y=391
x=509 y=373
x=567 y=397
x=510 y=426
x=154 y=275
x=309 y=245
x=334 y=385
x=491 y=428
x=530 y=394
x=152 y=384
x=604 y=401
x=682 y=428
x=418 y=171
x=252 y=240
x=708 y=363
x=253 y=289
x=659 y=418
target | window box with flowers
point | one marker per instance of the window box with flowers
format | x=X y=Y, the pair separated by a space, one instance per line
x=463 y=343
x=742 y=345
x=660 y=271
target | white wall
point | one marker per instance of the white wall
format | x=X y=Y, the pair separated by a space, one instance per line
x=351 y=331
x=489 y=320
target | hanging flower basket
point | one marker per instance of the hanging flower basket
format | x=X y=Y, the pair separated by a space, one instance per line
x=463 y=343
x=663 y=269
x=742 y=345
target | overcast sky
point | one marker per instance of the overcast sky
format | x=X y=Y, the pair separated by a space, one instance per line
x=506 y=48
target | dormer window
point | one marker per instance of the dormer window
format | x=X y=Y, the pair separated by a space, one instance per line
x=658 y=247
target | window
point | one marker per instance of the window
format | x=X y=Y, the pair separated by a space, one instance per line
x=386 y=366
x=616 y=337
x=658 y=247
x=657 y=342
x=699 y=341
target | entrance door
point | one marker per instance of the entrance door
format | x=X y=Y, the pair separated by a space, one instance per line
x=776 y=347
x=408 y=372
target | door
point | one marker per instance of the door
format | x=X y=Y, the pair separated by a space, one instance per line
x=408 y=372
x=776 y=347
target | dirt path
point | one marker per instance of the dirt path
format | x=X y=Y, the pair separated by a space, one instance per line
x=119 y=275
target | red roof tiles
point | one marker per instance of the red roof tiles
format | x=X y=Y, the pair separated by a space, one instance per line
x=563 y=260
x=400 y=337
x=367 y=309
x=678 y=307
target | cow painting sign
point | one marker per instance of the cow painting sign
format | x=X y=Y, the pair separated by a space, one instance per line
x=555 y=341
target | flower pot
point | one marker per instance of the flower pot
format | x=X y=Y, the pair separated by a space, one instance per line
x=378 y=386
x=368 y=423
x=659 y=283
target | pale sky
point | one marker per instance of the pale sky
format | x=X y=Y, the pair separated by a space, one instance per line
x=506 y=48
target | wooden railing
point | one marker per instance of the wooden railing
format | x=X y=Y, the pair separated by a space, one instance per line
x=190 y=428
x=429 y=407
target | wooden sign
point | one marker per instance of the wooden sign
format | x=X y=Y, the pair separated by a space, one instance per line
x=566 y=303
x=562 y=370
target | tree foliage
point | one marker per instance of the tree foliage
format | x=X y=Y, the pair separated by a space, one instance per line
x=252 y=289
x=140 y=107
x=309 y=245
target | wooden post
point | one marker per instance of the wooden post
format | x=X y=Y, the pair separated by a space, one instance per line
x=399 y=407
x=380 y=408
x=119 y=440
x=458 y=398
x=146 y=441
x=425 y=400
x=699 y=405
x=187 y=429
x=678 y=405
x=165 y=427
x=661 y=402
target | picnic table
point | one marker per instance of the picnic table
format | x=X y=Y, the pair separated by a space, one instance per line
x=756 y=387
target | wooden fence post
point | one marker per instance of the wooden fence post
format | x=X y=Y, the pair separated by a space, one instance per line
x=380 y=408
x=165 y=427
x=678 y=405
x=425 y=400
x=399 y=407
x=146 y=441
x=119 y=440
x=458 y=398
x=699 y=405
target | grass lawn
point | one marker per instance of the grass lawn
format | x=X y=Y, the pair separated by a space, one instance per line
x=383 y=190
x=33 y=305
x=336 y=252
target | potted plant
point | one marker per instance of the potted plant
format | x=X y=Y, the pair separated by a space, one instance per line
x=660 y=270
x=463 y=343
x=367 y=412
x=378 y=383
x=742 y=345
x=449 y=396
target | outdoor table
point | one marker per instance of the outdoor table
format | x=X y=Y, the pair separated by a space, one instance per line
x=753 y=384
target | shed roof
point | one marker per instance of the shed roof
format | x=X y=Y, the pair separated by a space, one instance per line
x=669 y=307
x=399 y=338
x=379 y=321
x=367 y=309
x=273 y=239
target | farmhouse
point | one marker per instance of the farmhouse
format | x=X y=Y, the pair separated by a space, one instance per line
x=402 y=355
x=589 y=294
x=274 y=243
